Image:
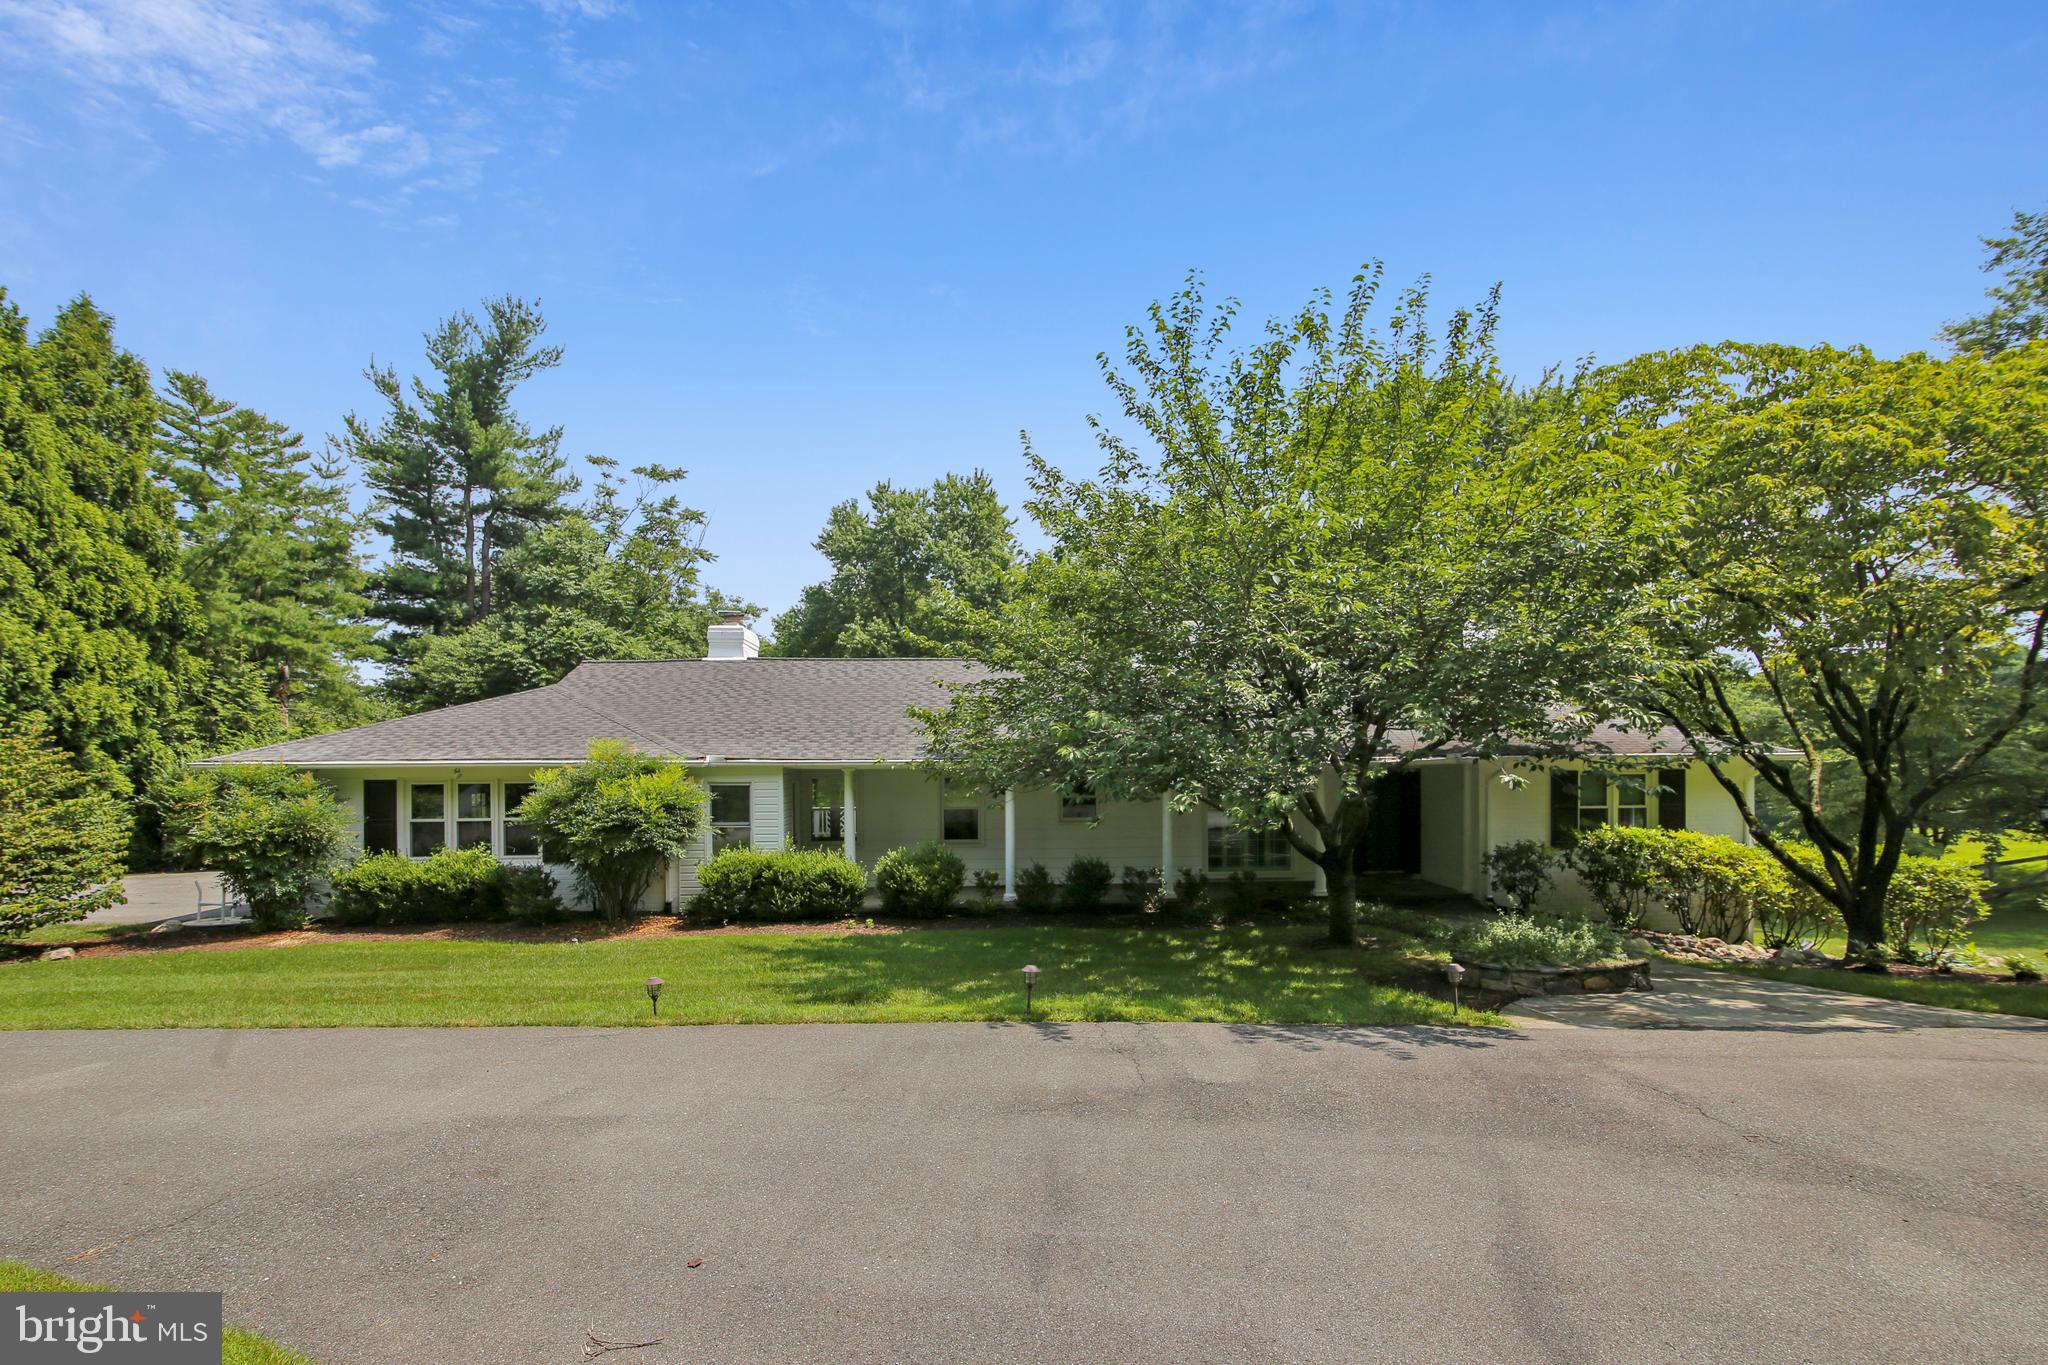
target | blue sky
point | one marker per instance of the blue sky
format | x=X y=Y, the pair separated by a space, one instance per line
x=797 y=249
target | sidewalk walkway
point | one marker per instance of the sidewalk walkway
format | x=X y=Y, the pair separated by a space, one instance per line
x=154 y=896
x=1694 y=998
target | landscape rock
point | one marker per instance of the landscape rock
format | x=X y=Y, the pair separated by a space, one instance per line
x=169 y=926
x=1687 y=948
x=59 y=954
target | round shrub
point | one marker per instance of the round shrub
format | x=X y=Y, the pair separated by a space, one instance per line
x=273 y=833
x=1521 y=870
x=786 y=884
x=1036 y=890
x=454 y=884
x=528 y=894
x=1087 y=884
x=920 y=880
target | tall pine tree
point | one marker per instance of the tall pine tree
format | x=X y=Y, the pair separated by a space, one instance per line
x=459 y=478
x=270 y=549
x=95 y=617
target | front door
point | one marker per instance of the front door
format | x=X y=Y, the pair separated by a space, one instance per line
x=1393 y=830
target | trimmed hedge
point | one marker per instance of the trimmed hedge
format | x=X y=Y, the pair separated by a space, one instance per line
x=1713 y=887
x=450 y=885
x=921 y=880
x=790 y=884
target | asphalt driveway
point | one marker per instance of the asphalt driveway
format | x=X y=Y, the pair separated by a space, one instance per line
x=1115 y=1192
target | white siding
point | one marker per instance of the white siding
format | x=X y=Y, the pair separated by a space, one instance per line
x=1443 y=823
x=765 y=810
x=1524 y=813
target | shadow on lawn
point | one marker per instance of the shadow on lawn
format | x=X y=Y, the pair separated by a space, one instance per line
x=1252 y=976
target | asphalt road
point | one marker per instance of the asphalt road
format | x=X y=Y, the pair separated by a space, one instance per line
x=1118 y=1192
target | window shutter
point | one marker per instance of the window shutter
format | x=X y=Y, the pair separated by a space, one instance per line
x=1671 y=798
x=1564 y=807
x=380 y=816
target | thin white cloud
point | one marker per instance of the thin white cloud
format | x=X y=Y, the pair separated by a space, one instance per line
x=1096 y=73
x=301 y=72
x=228 y=66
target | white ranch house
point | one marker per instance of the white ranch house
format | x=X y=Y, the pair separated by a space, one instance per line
x=823 y=753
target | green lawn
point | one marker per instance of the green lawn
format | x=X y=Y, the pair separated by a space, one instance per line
x=237 y=1346
x=1989 y=997
x=1239 y=974
x=77 y=931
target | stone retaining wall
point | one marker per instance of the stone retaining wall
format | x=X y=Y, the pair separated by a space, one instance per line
x=1617 y=976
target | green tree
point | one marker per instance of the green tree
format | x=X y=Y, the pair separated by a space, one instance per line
x=459 y=478
x=95 y=618
x=61 y=837
x=617 y=817
x=1321 y=559
x=270 y=549
x=2019 y=308
x=909 y=574
x=1861 y=549
x=276 y=835
x=618 y=581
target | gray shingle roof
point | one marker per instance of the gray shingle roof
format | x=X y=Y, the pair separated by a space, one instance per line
x=770 y=709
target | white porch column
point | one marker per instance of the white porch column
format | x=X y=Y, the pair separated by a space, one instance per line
x=1475 y=834
x=846 y=816
x=1010 y=845
x=1165 y=843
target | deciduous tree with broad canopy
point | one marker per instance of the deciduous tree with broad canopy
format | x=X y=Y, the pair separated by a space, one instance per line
x=1862 y=546
x=1313 y=562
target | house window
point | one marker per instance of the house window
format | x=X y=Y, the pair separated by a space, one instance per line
x=732 y=820
x=1237 y=850
x=1593 y=798
x=427 y=825
x=1582 y=800
x=1631 y=799
x=1077 y=802
x=960 y=818
x=473 y=815
x=380 y=815
x=1671 y=798
x=520 y=840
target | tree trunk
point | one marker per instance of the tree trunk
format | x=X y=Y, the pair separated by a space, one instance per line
x=1865 y=924
x=1343 y=898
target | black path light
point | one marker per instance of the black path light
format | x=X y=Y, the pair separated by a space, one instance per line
x=1030 y=980
x=654 y=985
x=1453 y=973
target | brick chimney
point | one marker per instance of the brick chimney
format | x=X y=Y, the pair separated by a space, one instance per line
x=731 y=638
